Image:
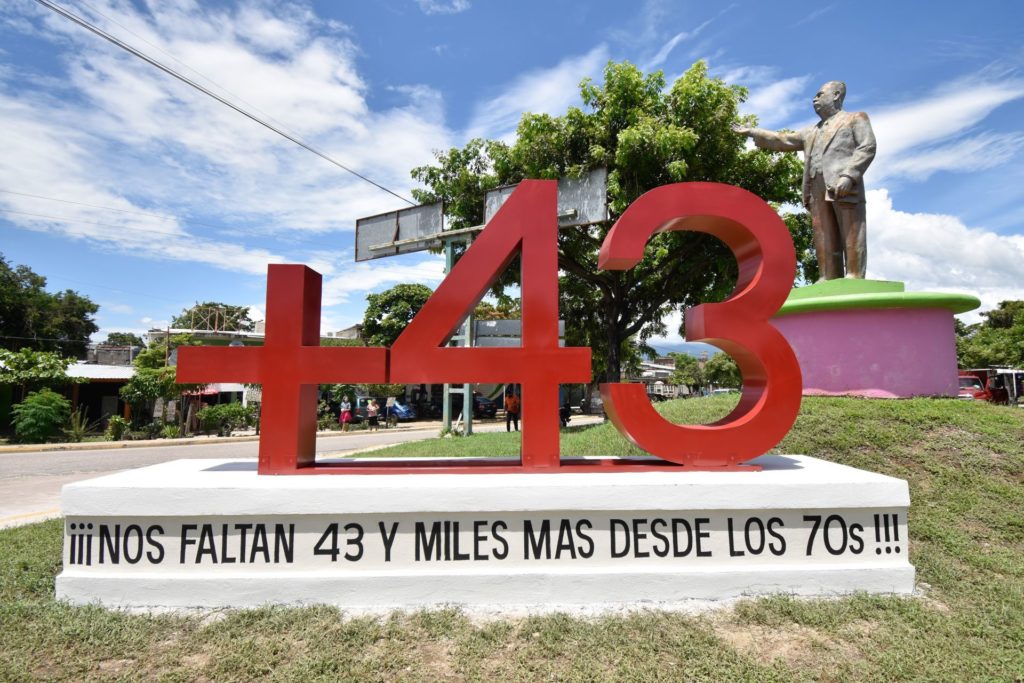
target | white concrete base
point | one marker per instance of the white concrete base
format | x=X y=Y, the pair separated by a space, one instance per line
x=206 y=533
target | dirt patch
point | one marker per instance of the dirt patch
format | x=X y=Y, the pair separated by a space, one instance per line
x=434 y=661
x=114 y=666
x=799 y=647
x=198 y=661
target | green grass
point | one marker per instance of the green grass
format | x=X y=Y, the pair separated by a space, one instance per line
x=965 y=465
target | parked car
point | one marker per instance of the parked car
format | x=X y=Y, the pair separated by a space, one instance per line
x=386 y=416
x=403 y=412
x=482 y=406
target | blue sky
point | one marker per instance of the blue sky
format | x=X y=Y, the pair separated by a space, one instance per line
x=205 y=198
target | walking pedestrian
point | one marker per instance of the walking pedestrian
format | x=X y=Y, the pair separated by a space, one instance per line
x=345 y=418
x=511 y=411
x=372 y=411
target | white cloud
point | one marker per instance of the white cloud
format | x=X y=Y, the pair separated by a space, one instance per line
x=94 y=135
x=815 y=14
x=937 y=132
x=54 y=159
x=973 y=153
x=659 y=58
x=548 y=91
x=367 y=276
x=440 y=7
x=774 y=103
x=662 y=54
x=938 y=253
x=772 y=99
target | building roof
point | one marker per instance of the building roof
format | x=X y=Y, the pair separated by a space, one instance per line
x=96 y=371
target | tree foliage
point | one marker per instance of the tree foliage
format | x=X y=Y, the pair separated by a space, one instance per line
x=123 y=339
x=998 y=340
x=40 y=416
x=147 y=385
x=378 y=390
x=30 y=369
x=213 y=315
x=646 y=136
x=722 y=371
x=157 y=354
x=800 y=228
x=389 y=312
x=689 y=372
x=33 y=318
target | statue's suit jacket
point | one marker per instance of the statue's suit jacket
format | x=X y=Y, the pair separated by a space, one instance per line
x=849 y=147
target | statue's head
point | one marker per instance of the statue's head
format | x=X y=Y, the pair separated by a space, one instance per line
x=829 y=98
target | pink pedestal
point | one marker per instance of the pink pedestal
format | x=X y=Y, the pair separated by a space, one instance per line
x=874 y=352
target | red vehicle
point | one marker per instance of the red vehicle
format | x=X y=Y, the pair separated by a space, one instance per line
x=997 y=385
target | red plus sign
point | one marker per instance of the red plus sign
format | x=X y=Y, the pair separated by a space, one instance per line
x=289 y=365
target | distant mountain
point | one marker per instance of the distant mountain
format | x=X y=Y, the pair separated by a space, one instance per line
x=695 y=349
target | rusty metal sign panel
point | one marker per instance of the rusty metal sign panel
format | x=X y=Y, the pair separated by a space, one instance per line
x=581 y=201
x=400 y=231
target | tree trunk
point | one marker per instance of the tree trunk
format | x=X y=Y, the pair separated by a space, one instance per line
x=613 y=367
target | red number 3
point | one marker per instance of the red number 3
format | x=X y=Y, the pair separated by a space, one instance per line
x=740 y=325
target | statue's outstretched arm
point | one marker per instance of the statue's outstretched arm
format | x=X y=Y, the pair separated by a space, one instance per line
x=778 y=141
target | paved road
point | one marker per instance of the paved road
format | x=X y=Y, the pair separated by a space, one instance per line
x=30 y=481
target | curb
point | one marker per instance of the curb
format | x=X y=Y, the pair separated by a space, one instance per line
x=196 y=440
x=158 y=443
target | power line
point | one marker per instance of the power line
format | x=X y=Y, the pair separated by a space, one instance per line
x=193 y=70
x=48 y=339
x=113 y=289
x=206 y=91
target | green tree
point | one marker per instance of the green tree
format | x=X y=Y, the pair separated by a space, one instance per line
x=800 y=228
x=213 y=315
x=29 y=370
x=688 y=372
x=148 y=385
x=721 y=370
x=40 y=416
x=646 y=135
x=389 y=312
x=33 y=318
x=123 y=339
x=157 y=354
x=998 y=340
x=378 y=390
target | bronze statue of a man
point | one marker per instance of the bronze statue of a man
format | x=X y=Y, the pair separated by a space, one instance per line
x=837 y=150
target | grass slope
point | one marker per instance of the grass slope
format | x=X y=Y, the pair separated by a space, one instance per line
x=965 y=465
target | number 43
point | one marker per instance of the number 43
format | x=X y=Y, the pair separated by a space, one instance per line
x=527 y=224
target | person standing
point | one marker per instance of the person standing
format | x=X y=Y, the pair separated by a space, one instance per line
x=345 y=418
x=372 y=413
x=511 y=411
x=837 y=151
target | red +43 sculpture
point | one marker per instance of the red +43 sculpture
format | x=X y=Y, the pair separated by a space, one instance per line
x=292 y=364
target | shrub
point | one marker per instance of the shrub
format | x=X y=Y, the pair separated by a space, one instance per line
x=225 y=417
x=79 y=426
x=170 y=432
x=40 y=416
x=117 y=428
